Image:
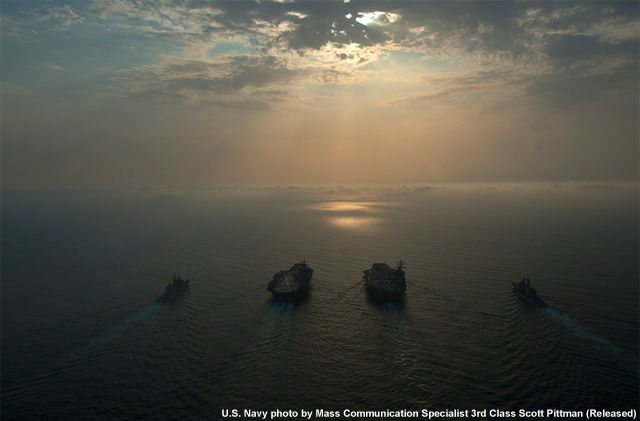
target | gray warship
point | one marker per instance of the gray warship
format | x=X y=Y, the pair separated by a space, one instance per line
x=290 y=284
x=528 y=293
x=174 y=289
x=384 y=283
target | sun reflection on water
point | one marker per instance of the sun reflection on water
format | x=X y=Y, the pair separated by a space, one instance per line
x=352 y=214
x=355 y=222
x=346 y=206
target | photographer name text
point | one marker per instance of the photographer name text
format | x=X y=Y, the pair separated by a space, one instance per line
x=427 y=414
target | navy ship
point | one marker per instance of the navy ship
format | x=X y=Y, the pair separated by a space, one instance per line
x=290 y=284
x=174 y=289
x=528 y=293
x=384 y=283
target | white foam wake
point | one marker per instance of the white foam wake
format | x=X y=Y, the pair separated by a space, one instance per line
x=630 y=360
x=107 y=336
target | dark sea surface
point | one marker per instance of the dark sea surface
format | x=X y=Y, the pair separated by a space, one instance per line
x=83 y=339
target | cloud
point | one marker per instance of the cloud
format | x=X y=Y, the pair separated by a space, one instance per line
x=58 y=15
x=48 y=66
x=513 y=29
x=243 y=76
x=502 y=84
x=52 y=66
x=240 y=104
x=616 y=86
x=598 y=186
x=554 y=43
x=484 y=90
x=11 y=89
x=29 y=24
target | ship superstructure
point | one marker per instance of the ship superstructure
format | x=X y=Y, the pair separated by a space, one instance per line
x=174 y=289
x=385 y=283
x=528 y=293
x=289 y=284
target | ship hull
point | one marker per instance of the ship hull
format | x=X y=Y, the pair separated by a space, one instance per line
x=537 y=303
x=291 y=296
x=166 y=297
x=384 y=283
x=292 y=284
x=384 y=296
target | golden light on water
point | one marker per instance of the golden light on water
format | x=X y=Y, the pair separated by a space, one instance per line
x=353 y=215
x=346 y=206
x=355 y=222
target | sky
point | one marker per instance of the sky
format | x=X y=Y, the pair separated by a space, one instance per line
x=112 y=93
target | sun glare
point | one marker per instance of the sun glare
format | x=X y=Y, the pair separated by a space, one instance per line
x=379 y=18
x=354 y=222
x=345 y=206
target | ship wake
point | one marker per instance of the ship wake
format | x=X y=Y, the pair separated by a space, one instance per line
x=390 y=307
x=108 y=335
x=83 y=352
x=122 y=326
x=278 y=309
x=630 y=360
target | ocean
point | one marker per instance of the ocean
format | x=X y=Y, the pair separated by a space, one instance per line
x=84 y=339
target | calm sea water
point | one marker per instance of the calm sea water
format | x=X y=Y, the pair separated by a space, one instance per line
x=82 y=336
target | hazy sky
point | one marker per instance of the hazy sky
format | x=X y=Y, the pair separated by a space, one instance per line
x=170 y=93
